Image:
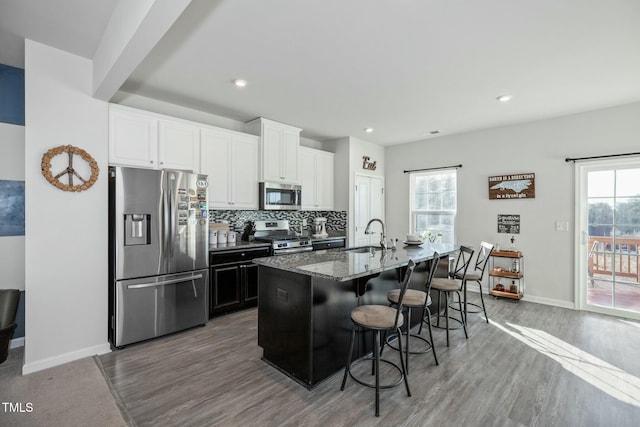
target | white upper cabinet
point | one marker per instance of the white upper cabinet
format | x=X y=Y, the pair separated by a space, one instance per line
x=141 y=139
x=279 y=144
x=230 y=159
x=133 y=138
x=178 y=145
x=316 y=178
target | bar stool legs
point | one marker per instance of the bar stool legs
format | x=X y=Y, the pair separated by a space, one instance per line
x=376 y=367
x=462 y=321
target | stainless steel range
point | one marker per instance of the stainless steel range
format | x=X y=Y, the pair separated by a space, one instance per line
x=283 y=240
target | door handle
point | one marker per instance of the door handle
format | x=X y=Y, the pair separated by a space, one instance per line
x=167 y=282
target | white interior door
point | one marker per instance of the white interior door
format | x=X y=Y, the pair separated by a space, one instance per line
x=608 y=235
x=368 y=204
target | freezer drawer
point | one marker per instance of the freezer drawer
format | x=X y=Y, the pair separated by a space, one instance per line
x=154 y=306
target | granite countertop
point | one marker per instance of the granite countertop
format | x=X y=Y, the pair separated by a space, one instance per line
x=239 y=244
x=342 y=265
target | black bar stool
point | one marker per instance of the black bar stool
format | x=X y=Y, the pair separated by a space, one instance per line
x=416 y=299
x=379 y=318
x=451 y=286
x=476 y=275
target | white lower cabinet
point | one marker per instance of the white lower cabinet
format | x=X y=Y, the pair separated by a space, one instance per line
x=230 y=159
x=316 y=178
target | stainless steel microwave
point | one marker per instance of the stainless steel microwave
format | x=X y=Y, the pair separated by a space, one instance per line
x=276 y=196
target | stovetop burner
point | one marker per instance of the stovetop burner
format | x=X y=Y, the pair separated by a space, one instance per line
x=281 y=238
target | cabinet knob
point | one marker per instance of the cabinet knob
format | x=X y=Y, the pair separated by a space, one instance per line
x=151 y=162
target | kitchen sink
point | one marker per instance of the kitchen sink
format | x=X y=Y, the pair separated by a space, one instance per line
x=362 y=249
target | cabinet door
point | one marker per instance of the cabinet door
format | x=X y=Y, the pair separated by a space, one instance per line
x=271 y=152
x=244 y=171
x=308 y=177
x=216 y=163
x=178 y=145
x=133 y=139
x=289 y=151
x=250 y=283
x=324 y=181
x=225 y=289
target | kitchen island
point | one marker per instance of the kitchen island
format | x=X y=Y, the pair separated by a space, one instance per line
x=305 y=301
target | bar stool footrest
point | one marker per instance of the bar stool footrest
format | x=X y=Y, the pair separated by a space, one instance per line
x=476 y=308
x=391 y=342
x=382 y=386
x=435 y=325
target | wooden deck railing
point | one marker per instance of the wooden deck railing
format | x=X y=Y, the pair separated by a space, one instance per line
x=604 y=257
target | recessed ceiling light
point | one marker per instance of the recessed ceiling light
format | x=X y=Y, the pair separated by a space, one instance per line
x=240 y=83
x=368 y=130
x=504 y=98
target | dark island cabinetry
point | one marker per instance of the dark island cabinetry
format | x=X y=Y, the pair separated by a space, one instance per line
x=233 y=279
x=305 y=303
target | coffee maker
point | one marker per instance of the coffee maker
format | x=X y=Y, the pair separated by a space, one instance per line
x=319 y=227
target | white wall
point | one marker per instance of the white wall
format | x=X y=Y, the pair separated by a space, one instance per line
x=348 y=162
x=66 y=233
x=12 y=168
x=538 y=147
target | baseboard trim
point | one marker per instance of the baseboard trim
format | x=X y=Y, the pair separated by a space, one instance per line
x=50 y=362
x=549 y=301
x=540 y=300
x=16 y=342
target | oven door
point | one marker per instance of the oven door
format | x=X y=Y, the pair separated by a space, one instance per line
x=274 y=196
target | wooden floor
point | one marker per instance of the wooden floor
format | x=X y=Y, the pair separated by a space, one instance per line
x=534 y=365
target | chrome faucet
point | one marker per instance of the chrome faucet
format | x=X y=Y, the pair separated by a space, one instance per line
x=383 y=238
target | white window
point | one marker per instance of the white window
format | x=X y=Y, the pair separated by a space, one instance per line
x=433 y=204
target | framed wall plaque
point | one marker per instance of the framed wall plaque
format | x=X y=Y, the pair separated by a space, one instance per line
x=509 y=224
x=515 y=186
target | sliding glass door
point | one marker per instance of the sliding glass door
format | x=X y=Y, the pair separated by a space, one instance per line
x=609 y=235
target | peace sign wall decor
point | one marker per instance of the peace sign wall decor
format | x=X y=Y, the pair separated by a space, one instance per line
x=69 y=171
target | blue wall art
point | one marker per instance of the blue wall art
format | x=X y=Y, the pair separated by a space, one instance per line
x=11 y=208
x=11 y=95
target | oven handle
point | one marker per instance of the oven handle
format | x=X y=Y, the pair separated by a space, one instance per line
x=292 y=250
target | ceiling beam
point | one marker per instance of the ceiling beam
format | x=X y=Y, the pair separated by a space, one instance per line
x=133 y=30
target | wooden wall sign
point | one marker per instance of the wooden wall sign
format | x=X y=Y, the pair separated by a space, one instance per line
x=367 y=164
x=509 y=224
x=516 y=186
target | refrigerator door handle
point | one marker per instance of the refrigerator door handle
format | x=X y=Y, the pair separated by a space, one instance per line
x=167 y=282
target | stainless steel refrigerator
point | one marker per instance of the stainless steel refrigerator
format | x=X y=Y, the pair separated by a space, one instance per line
x=158 y=253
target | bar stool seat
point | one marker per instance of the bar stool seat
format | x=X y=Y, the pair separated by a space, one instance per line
x=375 y=316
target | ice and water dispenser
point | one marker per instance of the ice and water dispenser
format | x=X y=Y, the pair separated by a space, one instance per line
x=137 y=229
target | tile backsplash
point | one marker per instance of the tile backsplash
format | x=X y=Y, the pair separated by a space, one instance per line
x=336 y=220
